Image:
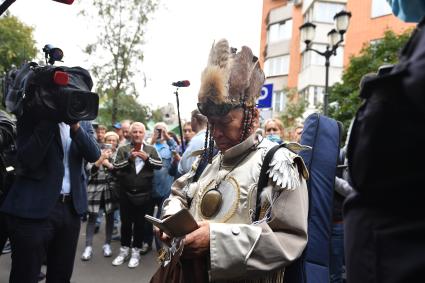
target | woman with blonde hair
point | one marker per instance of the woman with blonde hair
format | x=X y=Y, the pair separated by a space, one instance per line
x=101 y=193
x=273 y=130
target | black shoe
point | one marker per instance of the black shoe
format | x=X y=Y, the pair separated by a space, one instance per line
x=41 y=276
x=145 y=249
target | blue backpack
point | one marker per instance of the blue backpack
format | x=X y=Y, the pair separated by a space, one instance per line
x=323 y=135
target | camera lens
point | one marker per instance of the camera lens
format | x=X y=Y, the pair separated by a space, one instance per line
x=82 y=106
x=78 y=105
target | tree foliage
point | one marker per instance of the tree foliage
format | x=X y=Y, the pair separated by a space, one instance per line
x=344 y=97
x=127 y=108
x=157 y=115
x=17 y=44
x=122 y=28
x=295 y=107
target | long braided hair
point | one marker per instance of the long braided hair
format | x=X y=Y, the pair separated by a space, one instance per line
x=247 y=128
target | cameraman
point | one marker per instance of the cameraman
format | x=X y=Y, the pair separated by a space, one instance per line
x=49 y=195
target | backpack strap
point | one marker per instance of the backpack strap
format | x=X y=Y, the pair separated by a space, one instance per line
x=264 y=178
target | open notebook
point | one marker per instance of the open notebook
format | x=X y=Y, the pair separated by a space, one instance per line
x=176 y=225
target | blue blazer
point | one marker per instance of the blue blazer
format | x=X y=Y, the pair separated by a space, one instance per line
x=40 y=168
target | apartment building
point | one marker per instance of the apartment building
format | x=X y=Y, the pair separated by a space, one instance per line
x=287 y=64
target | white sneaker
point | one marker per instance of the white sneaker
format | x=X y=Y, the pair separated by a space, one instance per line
x=135 y=258
x=107 y=252
x=122 y=256
x=88 y=251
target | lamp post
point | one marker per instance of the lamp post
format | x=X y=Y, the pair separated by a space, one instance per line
x=335 y=38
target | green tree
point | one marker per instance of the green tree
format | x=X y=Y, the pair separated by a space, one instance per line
x=157 y=115
x=295 y=107
x=122 y=28
x=127 y=108
x=344 y=97
x=17 y=44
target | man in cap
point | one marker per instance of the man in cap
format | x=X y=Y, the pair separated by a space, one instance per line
x=236 y=239
x=118 y=130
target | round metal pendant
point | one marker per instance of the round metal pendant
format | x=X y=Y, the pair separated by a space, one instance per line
x=211 y=203
x=220 y=202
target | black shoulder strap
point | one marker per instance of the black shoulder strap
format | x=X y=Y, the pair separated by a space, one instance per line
x=264 y=178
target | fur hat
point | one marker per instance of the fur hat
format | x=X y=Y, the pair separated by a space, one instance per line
x=230 y=80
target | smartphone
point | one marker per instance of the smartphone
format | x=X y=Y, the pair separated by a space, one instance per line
x=137 y=146
x=107 y=146
x=159 y=131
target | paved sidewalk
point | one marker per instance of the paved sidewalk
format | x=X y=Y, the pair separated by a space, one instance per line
x=99 y=269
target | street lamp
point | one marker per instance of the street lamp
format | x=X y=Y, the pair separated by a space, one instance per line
x=335 y=38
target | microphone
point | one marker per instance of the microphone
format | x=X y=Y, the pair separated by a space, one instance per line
x=184 y=83
x=68 y=2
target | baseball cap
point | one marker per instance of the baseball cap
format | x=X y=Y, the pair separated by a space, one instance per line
x=117 y=125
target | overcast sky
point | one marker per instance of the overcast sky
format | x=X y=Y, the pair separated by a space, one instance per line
x=177 y=44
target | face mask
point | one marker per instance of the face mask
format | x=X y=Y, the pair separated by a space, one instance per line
x=274 y=138
x=410 y=11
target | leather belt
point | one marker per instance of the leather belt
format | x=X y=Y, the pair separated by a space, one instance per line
x=65 y=198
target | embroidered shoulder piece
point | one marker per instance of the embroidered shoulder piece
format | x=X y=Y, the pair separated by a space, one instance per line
x=286 y=169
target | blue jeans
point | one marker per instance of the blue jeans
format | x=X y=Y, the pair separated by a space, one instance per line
x=337 y=253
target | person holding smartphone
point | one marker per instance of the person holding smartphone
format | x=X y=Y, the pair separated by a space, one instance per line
x=134 y=165
x=101 y=195
x=162 y=180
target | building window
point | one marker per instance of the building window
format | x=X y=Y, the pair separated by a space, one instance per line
x=308 y=16
x=276 y=66
x=380 y=8
x=280 y=31
x=304 y=94
x=325 y=11
x=310 y=58
x=279 y=101
x=319 y=93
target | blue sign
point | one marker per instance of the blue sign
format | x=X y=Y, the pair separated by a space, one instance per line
x=265 y=99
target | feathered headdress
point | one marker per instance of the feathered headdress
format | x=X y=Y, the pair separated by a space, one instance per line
x=230 y=80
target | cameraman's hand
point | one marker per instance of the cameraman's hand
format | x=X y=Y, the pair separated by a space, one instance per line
x=74 y=127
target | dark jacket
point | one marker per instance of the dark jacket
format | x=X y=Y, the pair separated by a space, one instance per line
x=126 y=169
x=40 y=168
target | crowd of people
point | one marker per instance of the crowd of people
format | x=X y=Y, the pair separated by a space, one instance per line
x=134 y=173
x=245 y=187
x=113 y=187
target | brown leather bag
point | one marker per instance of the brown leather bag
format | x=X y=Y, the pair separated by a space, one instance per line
x=172 y=272
x=180 y=270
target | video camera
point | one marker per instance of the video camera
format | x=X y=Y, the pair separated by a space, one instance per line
x=49 y=92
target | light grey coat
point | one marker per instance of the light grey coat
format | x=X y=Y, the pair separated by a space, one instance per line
x=240 y=249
